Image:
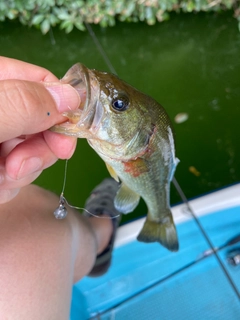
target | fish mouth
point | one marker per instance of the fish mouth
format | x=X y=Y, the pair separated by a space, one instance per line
x=84 y=121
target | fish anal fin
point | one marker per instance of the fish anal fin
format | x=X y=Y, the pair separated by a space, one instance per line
x=163 y=232
x=126 y=200
x=112 y=172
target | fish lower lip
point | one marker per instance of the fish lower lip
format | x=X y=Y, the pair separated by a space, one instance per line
x=79 y=121
x=84 y=81
x=77 y=76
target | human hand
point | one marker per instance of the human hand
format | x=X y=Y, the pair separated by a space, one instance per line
x=31 y=101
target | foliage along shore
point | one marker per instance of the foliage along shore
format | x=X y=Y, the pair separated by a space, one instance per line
x=68 y=14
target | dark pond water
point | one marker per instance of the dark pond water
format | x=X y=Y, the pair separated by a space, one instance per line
x=190 y=64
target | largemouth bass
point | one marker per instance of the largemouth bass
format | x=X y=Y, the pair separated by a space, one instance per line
x=132 y=133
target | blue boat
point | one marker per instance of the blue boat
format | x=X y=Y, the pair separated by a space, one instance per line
x=145 y=281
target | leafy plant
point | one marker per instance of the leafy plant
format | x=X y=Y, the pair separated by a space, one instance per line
x=68 y=14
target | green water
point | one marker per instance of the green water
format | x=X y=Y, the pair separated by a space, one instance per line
x=189 y=64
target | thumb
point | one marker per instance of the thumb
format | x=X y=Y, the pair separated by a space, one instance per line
x=29 y=107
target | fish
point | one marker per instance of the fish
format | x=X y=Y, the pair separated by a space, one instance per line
x=133 y=135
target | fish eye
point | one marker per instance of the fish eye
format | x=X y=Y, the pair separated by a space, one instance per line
x=120 y=103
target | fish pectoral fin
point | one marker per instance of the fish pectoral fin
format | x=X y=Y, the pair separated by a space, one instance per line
x=112 y=172
x=126 y=200
x=163 y=232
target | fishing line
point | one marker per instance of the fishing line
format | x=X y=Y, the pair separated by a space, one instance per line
x=100 y=48
x=61 y=210
x=52 y=38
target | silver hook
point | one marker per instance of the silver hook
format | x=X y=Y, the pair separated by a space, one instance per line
x=61 y=211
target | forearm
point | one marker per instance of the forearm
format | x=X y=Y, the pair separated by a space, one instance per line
x=39 y=255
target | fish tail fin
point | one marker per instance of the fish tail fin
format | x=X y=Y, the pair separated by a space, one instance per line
x=163 y=232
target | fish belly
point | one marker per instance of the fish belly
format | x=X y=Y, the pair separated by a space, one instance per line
x=153 y=185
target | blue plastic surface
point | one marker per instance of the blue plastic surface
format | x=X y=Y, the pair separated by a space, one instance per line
x=146 y=281
x=199 y=292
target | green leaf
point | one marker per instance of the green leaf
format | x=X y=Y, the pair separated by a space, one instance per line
x=80 y=26
x=65 y=24
x=45 y=26
x=53 y=19
x=37 y=19
x=69 y=28
x=12 y=14
x=64 y=15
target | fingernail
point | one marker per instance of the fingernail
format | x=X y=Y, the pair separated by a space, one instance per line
x=65 y=96
x=29 y=166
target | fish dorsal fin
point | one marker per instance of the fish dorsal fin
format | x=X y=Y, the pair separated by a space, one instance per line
x=112 y=172
x=126 y=200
